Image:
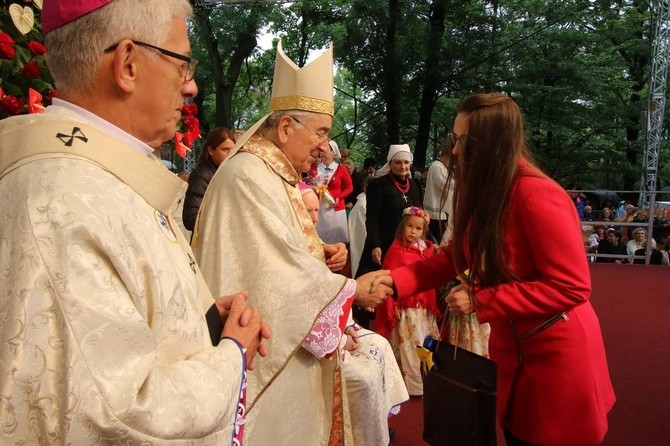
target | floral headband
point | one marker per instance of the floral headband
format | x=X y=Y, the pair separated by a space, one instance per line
x=416 y=211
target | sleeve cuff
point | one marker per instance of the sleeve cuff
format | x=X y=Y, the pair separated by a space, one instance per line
x=214 y=324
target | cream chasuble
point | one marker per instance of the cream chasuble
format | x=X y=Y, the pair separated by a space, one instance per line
x=250 y=235
x=103 y=338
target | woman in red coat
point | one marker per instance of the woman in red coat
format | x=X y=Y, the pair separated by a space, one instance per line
x=332 y=226
x=534 y=295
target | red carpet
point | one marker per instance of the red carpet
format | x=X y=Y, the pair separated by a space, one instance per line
x=633 y=304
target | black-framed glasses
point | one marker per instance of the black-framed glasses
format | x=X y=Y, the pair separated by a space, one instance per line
x=188 y=70
x=321 y=137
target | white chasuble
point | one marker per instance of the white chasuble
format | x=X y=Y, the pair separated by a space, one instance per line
x=250 y=235
x=103 y=338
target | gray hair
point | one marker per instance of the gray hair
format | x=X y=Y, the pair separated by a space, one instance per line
x=75 y=50
x=271 y=122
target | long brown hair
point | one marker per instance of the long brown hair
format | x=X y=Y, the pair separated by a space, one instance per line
x=215 y=137
x=485 y=171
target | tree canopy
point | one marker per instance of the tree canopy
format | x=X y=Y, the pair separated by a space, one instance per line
x=579 y=70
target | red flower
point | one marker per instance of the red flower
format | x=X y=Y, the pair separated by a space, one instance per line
x=31 y=70
x=34 y=102
x=190 y=136
x=190 y=121
x=179 y=147
x=36 y=48
x=51 y=95
x=7 y=50
x=12 y=105
x=6 y=38
x=189 y=109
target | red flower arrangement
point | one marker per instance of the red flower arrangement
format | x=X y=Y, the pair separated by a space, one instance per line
x=188 y=130
x=12 y=105
x=7 y=50
x=25 y=77
x=36 y=48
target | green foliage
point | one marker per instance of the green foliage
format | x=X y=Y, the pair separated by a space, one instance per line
x=578 y=69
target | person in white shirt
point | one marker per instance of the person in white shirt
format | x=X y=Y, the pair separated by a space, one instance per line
x=438 y=205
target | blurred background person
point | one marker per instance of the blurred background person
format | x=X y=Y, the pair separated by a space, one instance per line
x=612 y=245
x=369 y=167
x=437 y=201
x=215 y=149
x=332 y=226
x=639 y=241
x=356 y=181
x=387 y=195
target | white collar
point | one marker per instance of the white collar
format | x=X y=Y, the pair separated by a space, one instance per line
x=102 y=125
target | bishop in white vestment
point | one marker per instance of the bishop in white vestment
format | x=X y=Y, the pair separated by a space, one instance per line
x=103 y=335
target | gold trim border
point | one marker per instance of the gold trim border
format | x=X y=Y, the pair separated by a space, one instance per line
x=302 y=103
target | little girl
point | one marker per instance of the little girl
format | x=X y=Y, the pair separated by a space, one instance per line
x=408 y=321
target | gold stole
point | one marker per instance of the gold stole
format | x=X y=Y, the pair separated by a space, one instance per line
x=275 y=158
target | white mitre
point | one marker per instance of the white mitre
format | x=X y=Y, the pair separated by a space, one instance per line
x=309 y=88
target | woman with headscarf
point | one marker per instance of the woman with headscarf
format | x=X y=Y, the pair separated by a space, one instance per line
x=333 y=177
x=387 y=196
x=217 y=145
x=553 y=386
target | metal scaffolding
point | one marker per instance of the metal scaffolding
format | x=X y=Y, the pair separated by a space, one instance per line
x=657 y=83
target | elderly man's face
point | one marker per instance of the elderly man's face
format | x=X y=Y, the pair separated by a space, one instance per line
x=162 y=88
x=312 y=204
x=307 y=141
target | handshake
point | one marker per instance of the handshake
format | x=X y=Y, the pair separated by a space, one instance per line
x=244 y=323
x=373 y=288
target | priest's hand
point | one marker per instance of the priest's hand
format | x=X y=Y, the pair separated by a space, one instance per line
x=245 y=325
x=371 y=292
x=336 y=256
x=223 y=303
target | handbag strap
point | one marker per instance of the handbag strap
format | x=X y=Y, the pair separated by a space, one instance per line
x=447 y=316
x=458 y=328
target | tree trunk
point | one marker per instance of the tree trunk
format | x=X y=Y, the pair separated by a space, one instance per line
x=432 y=80
x=391 y=76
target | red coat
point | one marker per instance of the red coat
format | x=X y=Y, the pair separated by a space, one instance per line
x=339 y=186
x=400 y=255
x=563 y=392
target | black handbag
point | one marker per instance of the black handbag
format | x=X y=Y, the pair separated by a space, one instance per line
x=459 y=397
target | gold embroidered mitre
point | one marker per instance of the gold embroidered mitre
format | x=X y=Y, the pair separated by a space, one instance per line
x=309 y=88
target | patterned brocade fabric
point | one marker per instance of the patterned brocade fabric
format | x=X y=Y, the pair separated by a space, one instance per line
x=276 y=159
x=103 y=338
x=261 y=247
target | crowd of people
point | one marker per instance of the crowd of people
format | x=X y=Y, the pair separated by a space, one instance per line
x=117 y=330
x=621 y=235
